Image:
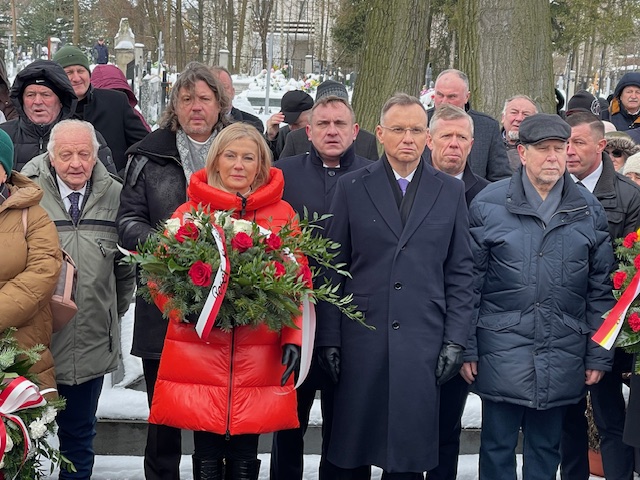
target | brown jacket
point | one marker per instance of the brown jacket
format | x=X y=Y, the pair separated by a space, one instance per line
x=28 y=271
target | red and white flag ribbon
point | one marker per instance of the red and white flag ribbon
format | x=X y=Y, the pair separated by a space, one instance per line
x=207 y=317
x=608 y=331
x=18 y=395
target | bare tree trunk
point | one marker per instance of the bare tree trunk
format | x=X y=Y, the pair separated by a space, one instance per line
x=230 y=22
x=262 y=13
x=393 y=57
x=241 y=24
x=592 y=49
x=180 y=54
x=201 y=30
x=505 y=49
x=76 y=23
x=168 y=58
x=14 y=32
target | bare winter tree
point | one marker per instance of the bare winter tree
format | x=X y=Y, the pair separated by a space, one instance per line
x=505 y=49
x=393 y=55
x=261 y=19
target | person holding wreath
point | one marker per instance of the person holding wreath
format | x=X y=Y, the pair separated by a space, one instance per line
x=243 y=373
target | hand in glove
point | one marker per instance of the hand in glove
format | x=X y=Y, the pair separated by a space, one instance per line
x=329 y=360
x=290 y=358
x=449 y=362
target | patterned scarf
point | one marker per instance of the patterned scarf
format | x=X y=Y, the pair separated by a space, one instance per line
x=192 y=156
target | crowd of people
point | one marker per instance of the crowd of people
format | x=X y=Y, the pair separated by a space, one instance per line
x=480 y=251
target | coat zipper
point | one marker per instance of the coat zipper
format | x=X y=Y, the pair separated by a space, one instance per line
x=102 y=250
x=227 y=435
x=110 y=331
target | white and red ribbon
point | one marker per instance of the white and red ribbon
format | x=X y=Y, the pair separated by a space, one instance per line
x=207 y=317
x=308 y=337
x=19 y=394
x=608 y=331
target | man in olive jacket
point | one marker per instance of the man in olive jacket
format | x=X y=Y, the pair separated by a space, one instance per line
x=82 y=199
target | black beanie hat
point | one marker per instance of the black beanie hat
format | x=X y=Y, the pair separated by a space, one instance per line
x=583 y=100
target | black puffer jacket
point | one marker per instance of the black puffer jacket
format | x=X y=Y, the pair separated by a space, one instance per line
x=540 y=292
x=29 y=139
x=154 y=187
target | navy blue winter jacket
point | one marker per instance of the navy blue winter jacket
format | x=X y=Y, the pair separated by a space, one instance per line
x=540 y=291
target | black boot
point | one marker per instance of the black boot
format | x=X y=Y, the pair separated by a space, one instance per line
x=207 y=469
x=247 y=470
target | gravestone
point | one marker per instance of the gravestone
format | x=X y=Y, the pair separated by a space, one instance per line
x=150 y=98
x=125 y=45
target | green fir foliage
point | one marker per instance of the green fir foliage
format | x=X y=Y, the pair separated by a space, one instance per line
x=267 y=283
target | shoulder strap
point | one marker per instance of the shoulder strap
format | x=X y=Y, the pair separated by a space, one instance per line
x=24 y=221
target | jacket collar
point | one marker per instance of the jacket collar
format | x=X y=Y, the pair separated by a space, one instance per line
x=160 y=143
x=201 y=192
x=572 y=198
x=346 y=159
x=606 y=183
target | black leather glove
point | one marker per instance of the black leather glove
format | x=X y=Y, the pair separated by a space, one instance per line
x=290 y=358
x=449 y=362
x=329 y=360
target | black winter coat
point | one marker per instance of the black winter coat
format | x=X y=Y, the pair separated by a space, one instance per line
x=632 y=420
x=308 y=184
x=541 y=291
x=29 y=139
x=154 y=187
x=110 y=113
x=240 y=116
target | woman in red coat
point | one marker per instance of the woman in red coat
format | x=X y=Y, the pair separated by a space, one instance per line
x=245 y=375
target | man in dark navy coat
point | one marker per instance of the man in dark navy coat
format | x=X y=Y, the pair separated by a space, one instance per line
x=450 y=140
x=310 y=182
x=404 y=237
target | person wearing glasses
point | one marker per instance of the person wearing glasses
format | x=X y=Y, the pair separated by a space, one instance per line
x=620 y=147
x=403 y=231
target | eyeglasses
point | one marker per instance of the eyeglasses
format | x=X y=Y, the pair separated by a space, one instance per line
x=616 y=153
x=413 y=131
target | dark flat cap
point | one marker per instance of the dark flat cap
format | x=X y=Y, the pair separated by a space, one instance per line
x=293 y=103
x=543 y=126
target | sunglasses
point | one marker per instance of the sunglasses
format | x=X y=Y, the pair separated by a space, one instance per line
x=616 y=153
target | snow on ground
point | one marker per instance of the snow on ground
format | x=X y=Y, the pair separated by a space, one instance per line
x=130 y=468
x=118 y=402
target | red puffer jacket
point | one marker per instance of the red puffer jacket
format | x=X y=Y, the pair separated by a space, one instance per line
x=229 y=384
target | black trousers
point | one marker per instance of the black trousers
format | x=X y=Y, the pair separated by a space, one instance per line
x=287 y=450
x=609 y=414
x=453 y=397
x=212 y=446
x=164 y=444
